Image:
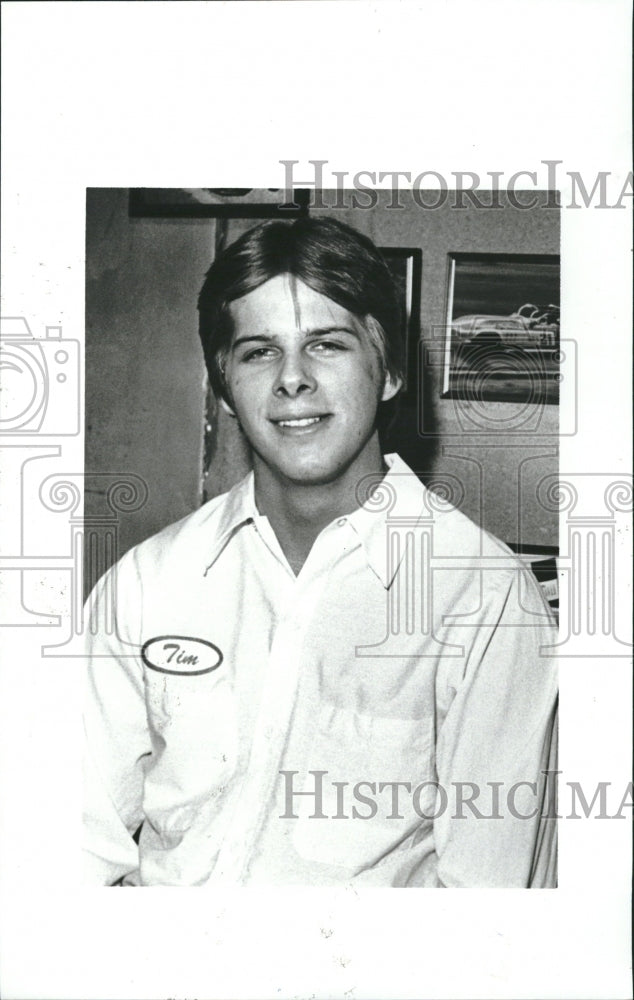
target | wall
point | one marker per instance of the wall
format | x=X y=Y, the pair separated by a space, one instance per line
x=145 y=385
x=145 y=382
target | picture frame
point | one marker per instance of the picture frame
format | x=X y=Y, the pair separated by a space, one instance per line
x=406 y=267
x=502 y=340
x=217 y=203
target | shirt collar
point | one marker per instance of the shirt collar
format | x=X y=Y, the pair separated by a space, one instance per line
x=399 y=494
x=238 y=509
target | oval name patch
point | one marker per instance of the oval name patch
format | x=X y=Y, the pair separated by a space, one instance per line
x=181 y=654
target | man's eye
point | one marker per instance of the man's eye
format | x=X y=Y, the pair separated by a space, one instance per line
x=328 y=346
x=260 y=353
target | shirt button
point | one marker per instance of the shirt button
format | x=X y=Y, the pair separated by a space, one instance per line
x=342 y=521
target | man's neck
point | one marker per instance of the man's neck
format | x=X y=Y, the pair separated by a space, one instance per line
x=298 y=512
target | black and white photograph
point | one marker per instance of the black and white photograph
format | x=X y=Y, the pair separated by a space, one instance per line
x=315 y=578
x=302 y=680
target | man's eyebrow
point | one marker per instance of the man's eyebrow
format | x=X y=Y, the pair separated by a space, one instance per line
x=260 y=338
x=324 y=331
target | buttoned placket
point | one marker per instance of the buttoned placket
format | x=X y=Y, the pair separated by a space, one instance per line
x=279 y=692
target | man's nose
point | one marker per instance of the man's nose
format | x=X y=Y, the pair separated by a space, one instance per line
x=294 y=376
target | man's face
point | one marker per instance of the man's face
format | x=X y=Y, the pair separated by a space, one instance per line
x=305 y=381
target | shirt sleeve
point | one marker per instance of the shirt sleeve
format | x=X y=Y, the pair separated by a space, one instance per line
x=115 y=725
x=497 y=745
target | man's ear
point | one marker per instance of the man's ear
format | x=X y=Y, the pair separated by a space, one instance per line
x=391 y=386
x=226 y=407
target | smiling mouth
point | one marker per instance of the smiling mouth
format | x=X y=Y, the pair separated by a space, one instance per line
x=299 y=423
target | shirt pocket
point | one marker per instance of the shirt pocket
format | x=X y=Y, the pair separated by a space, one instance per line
x=357 y=812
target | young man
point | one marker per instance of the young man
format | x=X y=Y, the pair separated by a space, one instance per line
x=327 y=674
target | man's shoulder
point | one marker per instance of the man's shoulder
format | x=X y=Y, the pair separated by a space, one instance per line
x=457 y=534
x=457 y=545
x=191 y=538
x=433 y=504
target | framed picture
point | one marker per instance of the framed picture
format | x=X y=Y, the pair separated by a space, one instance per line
x=217 y=203
x=406 y=268
x=502 y=328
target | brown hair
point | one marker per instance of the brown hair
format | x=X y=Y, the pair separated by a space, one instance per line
x=328 y=256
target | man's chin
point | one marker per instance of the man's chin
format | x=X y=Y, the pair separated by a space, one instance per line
x=312 y=475
x=310 y=470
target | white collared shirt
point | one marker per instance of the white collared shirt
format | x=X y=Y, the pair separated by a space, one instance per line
x=324 y=728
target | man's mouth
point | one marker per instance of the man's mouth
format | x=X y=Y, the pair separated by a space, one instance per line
x=301 y=423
